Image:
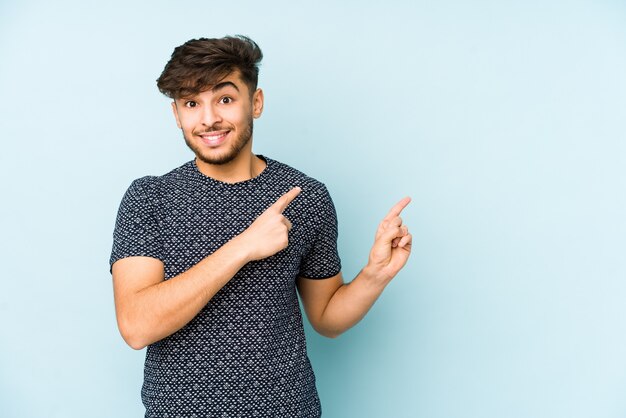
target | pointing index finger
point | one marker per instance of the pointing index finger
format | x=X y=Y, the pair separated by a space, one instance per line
x=397 y=208
x=284 y=201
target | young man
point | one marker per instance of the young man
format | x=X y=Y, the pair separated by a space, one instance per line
x=207 y=258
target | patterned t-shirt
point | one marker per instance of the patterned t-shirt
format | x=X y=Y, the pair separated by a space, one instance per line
x=244 y=354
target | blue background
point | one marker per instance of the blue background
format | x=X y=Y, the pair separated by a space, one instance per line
x=505 y=121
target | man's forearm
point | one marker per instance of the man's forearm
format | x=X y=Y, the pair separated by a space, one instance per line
x=390 y=252
x=350 y=303
x=162 y=309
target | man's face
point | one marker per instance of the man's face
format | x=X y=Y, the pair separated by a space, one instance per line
x=217 y=123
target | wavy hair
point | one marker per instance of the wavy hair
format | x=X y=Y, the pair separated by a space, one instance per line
x=198 y=64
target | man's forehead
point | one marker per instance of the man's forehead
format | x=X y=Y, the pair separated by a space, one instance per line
x=232 y=80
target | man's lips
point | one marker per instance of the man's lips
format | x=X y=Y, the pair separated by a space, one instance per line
x=215 y=138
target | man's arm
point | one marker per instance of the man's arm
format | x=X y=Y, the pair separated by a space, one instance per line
x=333 y=307
x=149 y=308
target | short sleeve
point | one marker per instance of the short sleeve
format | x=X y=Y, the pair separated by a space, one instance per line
x=322 y=261
x=136 y=228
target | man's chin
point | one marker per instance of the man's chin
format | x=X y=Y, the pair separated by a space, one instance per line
x=217 y=159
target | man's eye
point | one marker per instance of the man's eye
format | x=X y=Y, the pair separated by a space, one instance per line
x=190 y=103
x=226 y=100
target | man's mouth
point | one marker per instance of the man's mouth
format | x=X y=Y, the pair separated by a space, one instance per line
x=214 y=139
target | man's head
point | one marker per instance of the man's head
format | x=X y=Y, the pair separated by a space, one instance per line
x=214 y=86
x=201 y=63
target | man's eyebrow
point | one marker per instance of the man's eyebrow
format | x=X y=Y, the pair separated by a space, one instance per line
x=224 y=84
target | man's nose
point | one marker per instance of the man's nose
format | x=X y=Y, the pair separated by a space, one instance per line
x=210 y=116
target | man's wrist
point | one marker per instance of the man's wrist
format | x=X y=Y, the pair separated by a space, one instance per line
x=372 y=276
x=239 y=250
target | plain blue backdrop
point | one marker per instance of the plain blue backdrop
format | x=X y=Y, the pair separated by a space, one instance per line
x=504 y=121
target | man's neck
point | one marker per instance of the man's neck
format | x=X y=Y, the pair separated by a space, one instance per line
x=244 y=167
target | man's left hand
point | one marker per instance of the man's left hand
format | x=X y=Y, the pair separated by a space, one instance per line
x=392 y=245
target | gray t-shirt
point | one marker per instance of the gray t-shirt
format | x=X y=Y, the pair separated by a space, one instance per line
x=244 y=354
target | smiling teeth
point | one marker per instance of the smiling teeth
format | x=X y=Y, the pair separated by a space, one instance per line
x=214 y=137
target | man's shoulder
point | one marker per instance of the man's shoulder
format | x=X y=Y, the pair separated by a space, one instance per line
x=177 y=175
x=287 y=173
x=150 y=187
x=314 y=198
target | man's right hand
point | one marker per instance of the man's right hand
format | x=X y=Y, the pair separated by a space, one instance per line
x=269 y=233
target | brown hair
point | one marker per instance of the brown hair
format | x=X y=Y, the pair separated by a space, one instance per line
x=200 y=63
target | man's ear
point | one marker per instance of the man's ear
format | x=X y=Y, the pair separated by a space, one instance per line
x=175 y=110
x=257 y=103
